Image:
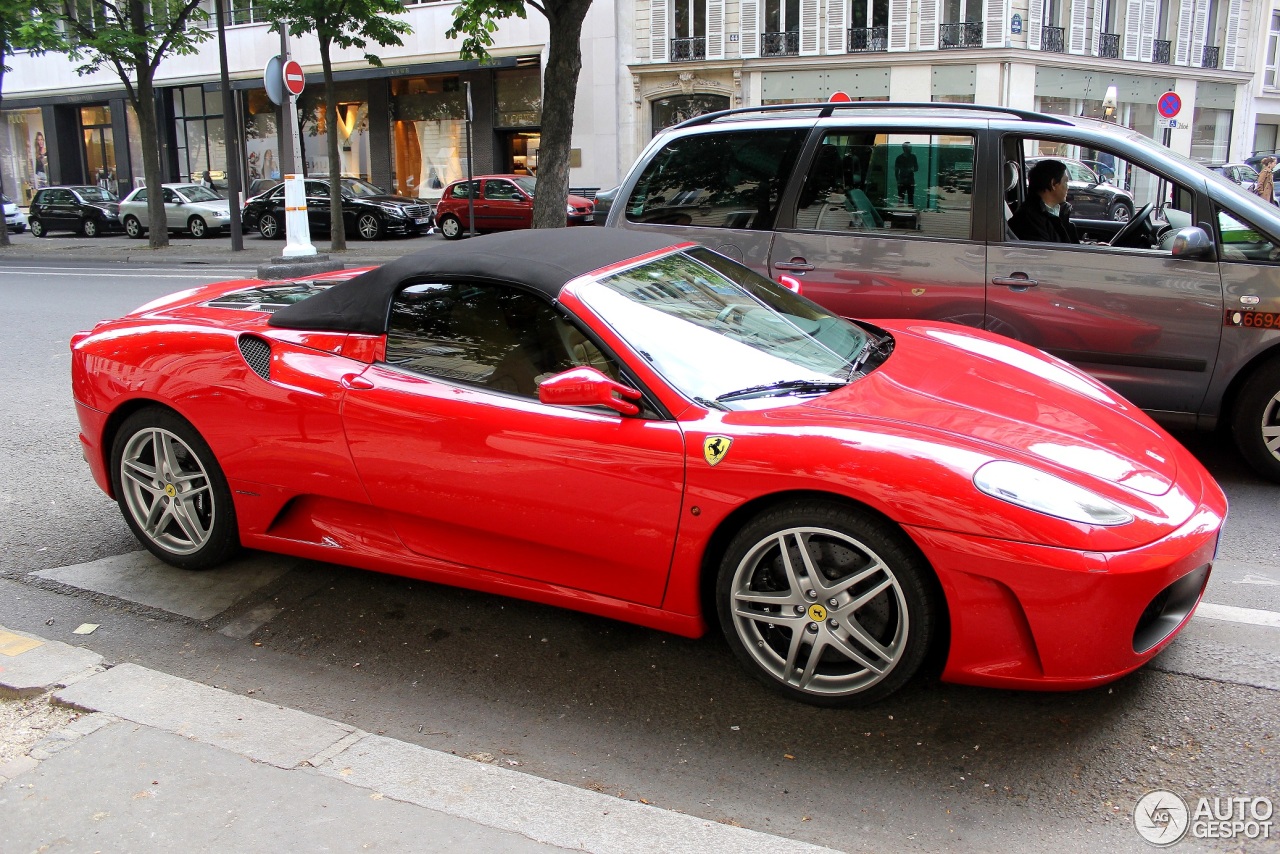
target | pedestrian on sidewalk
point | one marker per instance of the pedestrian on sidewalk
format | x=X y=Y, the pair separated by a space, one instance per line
x=1265 y=186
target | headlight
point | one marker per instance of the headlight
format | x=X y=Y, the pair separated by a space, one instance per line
x=394 y=210
x=568 y=209
x=1045 y=493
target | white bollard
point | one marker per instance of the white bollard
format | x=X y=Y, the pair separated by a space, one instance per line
x=297 y=228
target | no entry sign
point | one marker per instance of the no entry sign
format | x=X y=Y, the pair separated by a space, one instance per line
x=294 y=81
x=1169 y=104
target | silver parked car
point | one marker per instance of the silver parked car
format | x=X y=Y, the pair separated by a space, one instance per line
x=188 y=207
x=14 y=219
x=895 y=210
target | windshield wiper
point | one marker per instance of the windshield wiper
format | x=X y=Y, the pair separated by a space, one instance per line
x=781 y=388
x=881 y=347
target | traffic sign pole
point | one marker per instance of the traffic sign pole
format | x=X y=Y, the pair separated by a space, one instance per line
x=296 y=222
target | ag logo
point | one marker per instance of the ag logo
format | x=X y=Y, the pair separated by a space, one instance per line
x=714 y=448
x=1161 y=818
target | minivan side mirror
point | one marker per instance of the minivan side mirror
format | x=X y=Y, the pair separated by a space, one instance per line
x=586 y=386
x=1192 y=244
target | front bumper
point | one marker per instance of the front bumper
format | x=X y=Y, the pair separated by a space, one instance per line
x=1034 y=617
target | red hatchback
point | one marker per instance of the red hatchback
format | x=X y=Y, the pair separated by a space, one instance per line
x=502 y=203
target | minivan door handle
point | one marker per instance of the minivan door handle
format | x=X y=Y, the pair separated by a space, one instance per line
x=1017 y=280
x=795 y=264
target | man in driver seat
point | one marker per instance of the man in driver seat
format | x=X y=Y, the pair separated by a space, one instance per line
x=1045 y=216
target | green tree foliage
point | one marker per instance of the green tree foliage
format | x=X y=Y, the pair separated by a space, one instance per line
x=344 y=24
x=131 y=37
x=20 y=30
x=476 y=21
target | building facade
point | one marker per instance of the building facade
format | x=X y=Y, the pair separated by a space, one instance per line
x=401 y=126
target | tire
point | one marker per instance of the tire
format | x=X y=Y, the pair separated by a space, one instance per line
x=450 y=227
x=89 y=228
x=133 y=227
x=269 y=226
x=180 y=507
x=198 y=228
x=1255 y=420
x=368 y=226
x=1121 y=212
x=875 y=622
x=37 y=228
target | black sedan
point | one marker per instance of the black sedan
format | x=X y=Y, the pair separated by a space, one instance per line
x=1090 y=196
x=367 y=211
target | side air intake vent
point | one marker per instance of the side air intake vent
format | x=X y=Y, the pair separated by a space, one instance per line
x=257 y=353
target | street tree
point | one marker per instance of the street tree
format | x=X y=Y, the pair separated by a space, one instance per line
x=19 y=30
x=132 y=38
x=475 y=21
x=344 y=24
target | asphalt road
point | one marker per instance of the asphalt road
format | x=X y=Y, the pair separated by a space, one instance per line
x=628 y=711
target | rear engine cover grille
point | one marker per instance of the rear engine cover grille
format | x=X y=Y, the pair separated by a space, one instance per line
x=257 y=353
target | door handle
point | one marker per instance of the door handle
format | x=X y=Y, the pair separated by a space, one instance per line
x=796 y=264
x=355 y=381
x=1017 y=280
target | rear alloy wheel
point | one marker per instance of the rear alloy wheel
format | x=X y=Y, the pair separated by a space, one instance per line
x=1121 y=212
x=827 y=604
x=450 y=227
x=172 y=491
x=133 y=227
x=89 y=228
x=269 y=226
x=198 y=228
x=37 y=228
x=368 y=226
x=1255 y=422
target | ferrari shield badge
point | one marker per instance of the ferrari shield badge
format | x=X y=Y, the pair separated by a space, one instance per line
x=715 y=448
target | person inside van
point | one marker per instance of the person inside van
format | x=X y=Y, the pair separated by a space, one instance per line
x=1045 y=216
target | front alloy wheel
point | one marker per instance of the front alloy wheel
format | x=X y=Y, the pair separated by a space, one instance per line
x=826 y=603
x=171 y=490
x=1121 y=212
x=132 y=227
x=1255 y=421
x=198 y=228
x=269 y=226
x=89 y=228
x=368 y=226
x=37 y=228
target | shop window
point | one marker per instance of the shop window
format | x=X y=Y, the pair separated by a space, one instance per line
x=24 y=154
x=519 y=98
x=428 y=134
x=352 y=130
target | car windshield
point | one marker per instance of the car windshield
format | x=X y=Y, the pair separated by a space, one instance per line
x=356 y=187
x=95 y=194
x=196 y=193
x=720 y=332
x=527 y=184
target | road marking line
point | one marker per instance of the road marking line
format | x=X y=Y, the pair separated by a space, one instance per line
x=135 y=275
x=1232 y=614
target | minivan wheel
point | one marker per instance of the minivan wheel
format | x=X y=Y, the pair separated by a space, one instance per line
x=826 y=603
x=37 y=228
x=132 y=227
x=1255 y=423
x=89 y=228
x=450 y=227
x=1121 y=212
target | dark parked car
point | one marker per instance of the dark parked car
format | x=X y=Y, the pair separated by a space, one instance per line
x=369 y=213
x=1237 y=173
x=1090 y=196
x=87 y=210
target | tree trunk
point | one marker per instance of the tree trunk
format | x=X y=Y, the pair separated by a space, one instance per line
x=559 y=94
x=4 y=229
x=337 y=225
x=158 y=234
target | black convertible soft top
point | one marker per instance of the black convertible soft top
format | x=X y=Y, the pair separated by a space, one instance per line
x=545 y=259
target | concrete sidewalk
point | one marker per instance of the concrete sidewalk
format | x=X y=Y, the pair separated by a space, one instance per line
x=159 y=763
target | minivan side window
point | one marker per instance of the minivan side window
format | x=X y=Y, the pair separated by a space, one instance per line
x=873 y=180
x=721 y=180
x=1241 y=241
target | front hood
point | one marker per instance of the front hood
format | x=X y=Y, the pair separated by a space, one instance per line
x=109 y=207
x=222 y=207
x=393 y=200
x=1015 y=398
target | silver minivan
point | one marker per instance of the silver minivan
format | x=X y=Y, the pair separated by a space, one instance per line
x=882 y=210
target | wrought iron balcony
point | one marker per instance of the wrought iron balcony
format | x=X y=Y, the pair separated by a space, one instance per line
x=1160 y=52
x=1109 y=45
x=868 y=39
x=1053 y=39
x=780 y=44
x=962 y=35
x=684 y=50
x=1209 y=59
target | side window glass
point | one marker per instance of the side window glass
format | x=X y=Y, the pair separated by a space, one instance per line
x=732 y=179
x=316 y=189
x=464 y=190
x=864 y=180
x=1241 y=241
x=170 y=198
x=498 y=337
x=142 y=195
x=499 y=190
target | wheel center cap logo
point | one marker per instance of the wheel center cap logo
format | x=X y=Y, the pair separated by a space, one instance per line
x=817 y=613
x=169 y=490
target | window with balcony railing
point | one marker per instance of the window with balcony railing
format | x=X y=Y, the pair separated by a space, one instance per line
x=868 y=39
x=1161 y=51
x=1209 y=57
x=1269 y=76
x=687 y=50
x=1109 y=45
x=780 y=44
x=1053 y=39
x=962 y=35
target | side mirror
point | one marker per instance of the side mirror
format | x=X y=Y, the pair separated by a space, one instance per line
x=1192 y=244
x=586 y=386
